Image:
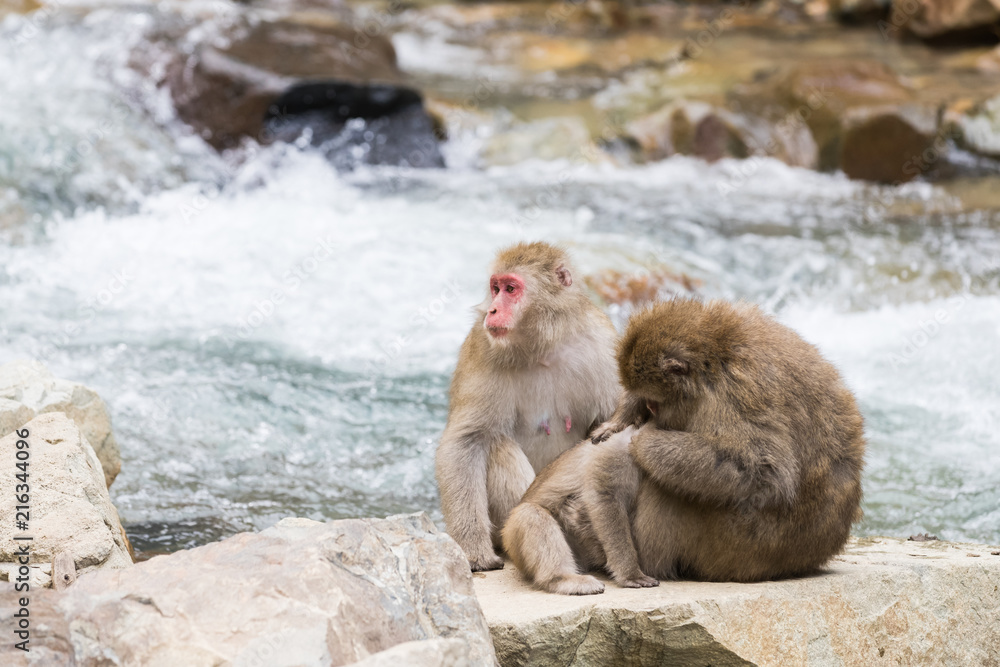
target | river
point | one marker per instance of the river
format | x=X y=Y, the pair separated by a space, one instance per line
x=275 y=337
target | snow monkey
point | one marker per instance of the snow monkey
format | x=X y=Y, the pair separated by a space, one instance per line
x=735 y=455
x=535 y=375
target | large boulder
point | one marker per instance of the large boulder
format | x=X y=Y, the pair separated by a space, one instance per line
x=884 y=602
x=68 y=509
x=271 y=77
x=299 y=594
x=28 y=388
x=864 y=119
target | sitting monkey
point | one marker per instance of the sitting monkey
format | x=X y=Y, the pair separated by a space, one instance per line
x=535 y=375
x=735 y=455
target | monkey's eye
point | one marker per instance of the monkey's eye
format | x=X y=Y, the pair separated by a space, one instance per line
x=510 y=289
x=495 y=288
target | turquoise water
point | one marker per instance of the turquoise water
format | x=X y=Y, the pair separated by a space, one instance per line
x=275 y=338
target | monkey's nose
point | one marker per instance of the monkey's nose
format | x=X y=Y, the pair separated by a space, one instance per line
x=493 y=312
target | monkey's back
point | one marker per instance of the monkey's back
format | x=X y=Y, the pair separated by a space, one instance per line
x=782 y=385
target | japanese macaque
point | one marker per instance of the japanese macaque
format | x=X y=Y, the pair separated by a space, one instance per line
x=736 y=455
x=535 y=375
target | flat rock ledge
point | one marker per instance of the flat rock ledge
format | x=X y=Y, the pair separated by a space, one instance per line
x=883 y=602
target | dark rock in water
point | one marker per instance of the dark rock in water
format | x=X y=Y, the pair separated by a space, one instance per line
x=891 y=145
x=357 y=124
x=863 y=118
x=278 y=79
x=964 y=21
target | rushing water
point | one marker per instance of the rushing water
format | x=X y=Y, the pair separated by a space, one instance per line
x=276 y=339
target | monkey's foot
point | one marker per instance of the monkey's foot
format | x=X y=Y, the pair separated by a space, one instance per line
x=640 y=581
x=577 y=584
x=485 y=562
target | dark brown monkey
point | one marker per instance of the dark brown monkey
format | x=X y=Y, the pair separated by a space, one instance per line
x=534 y=376
x=735 y=456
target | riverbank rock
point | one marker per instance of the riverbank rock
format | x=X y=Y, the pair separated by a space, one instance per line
x=935 y=18
x=28 y=388
x=884 y=602
x=863 y=118
x=69 y=511
x=301 y=593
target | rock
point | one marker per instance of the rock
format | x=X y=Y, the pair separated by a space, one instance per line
x=18 y=6
x=548 y=139
x=70 y=513
x=424 y=653
x=890 y=145
x=27 y=389
x=300 y=593
x=844 y=104
x=859 y=10
x=273 y=78
x=934 y=18
x=885 y=601
x=976 y=127
x=688 y=127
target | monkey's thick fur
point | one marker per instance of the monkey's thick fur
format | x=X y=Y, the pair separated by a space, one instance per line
x=520 y=400
x=736 y=455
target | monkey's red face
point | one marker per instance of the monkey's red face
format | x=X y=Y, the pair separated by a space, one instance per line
x=506 y=292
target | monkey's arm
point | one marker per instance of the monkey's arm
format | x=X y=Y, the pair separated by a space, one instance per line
x=631 y=411
x=749 y=466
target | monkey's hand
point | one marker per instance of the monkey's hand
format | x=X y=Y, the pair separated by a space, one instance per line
x=605 y=431
x=630 y=412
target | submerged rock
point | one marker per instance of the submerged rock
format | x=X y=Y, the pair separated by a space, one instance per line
x=69 y=511
x=884 y=601
x=27 y=389
x=300 y=593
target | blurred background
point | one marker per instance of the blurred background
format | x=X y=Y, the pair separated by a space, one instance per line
x=258 y=229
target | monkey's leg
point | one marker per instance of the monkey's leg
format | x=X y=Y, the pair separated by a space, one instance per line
x=460 y=466
x=749 y=469
x=535 y=542
x=508 y=476
x=609 y=493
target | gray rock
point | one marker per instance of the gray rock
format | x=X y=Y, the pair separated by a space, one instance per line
x=70 y=514
x=300 y=593
x=884 y=601
x=27 y=389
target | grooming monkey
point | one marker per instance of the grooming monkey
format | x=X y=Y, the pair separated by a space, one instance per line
x=535 y=375
x=736 y=455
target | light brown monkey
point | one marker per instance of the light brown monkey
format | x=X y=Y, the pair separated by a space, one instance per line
x=534 y=376
x=735 y=456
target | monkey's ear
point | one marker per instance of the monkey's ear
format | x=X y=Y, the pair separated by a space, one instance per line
x=564 y=276
x=673 y=365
